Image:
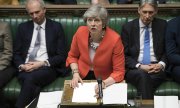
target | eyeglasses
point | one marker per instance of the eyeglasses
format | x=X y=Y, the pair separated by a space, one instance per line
x=95 y=20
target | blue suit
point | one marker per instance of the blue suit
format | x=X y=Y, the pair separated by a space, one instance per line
x=173 y=47
x=32 y=82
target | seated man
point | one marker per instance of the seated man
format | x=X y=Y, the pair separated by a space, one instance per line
x=6 y=69
x=39 y=52
x=173 y=47
x=143 y=40
x=9 y=2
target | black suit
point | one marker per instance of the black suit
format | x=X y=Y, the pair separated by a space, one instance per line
x=173 y=47
x=32 y=82
x=130 y=36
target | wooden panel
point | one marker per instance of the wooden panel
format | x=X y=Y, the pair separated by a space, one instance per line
x=66 y=101
x=78 y=10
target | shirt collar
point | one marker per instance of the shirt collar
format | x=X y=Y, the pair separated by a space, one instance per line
x=142 y=25
x=42 y=25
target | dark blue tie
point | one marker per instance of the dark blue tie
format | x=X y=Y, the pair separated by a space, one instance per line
x=146 y=51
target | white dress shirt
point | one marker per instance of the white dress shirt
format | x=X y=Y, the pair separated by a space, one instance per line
x=42 y=52
x=152 y=54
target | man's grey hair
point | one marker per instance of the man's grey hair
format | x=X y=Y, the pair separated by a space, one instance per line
x=42 y=4
x=151 y=2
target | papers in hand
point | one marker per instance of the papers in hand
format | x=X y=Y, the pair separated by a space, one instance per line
x=166 y=102
x=49 y=99
x=114 y=94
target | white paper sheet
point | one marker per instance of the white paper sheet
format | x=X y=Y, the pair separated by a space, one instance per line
x=49 y=99
x=85 y=93
x=166 y=102
x=115 y=94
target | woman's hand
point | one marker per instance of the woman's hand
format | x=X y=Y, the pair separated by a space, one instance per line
x=75 y=80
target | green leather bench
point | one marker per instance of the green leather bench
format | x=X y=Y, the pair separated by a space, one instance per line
x=70 y=25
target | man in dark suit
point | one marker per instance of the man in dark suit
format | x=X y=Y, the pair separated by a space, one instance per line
x=145 y=70
x=173 y=47
x=39 y=51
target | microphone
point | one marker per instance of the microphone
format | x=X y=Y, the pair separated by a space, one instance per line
x=99 y=80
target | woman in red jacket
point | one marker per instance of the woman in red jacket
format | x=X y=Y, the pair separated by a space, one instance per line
x=96 y=50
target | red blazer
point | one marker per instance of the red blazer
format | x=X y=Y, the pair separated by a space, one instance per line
x=108 y=59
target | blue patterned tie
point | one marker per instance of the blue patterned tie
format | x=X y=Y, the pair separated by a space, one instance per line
x=33 y=53
x=146 y=51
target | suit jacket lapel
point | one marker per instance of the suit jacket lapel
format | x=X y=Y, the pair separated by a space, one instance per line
x=31 y=28
x=136 y=35
x=48 y=34
x=155 y=34
x=29 y=34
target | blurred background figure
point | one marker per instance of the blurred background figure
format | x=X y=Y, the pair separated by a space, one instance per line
x=106 y=2
x=102 y=2
x=7 y=71
x=122 y=1
x=173 y=47
x=9 y=2
x=65 y=2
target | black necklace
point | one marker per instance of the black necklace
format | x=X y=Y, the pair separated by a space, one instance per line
x=91 y=43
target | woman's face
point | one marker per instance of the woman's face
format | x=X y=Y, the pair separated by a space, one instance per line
x=94 y=24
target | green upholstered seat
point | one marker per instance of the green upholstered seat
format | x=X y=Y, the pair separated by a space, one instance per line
x=116 y=23
x=12 y=89
x=132 y=91
x=168 y=88
x=70 y=25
